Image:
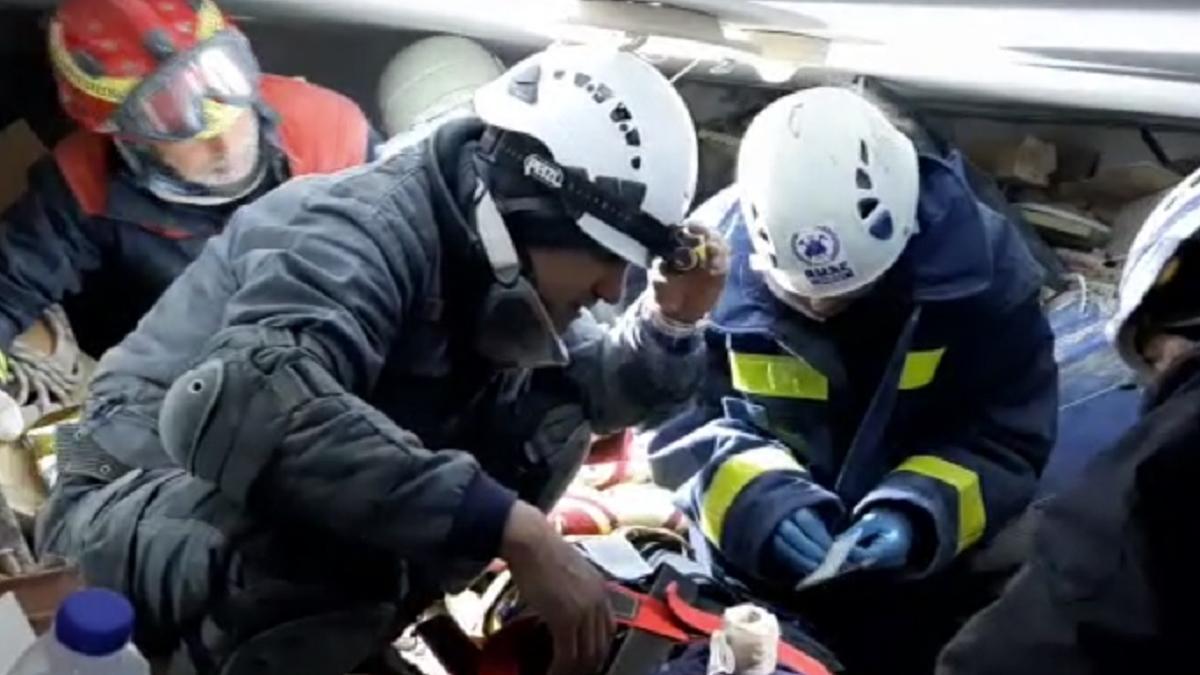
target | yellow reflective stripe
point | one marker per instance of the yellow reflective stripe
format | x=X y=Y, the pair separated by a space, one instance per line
x=780 y=376
x=920 y=368
x=972 y=517
x=110 y=89
x=732 y=477
x=209 y=20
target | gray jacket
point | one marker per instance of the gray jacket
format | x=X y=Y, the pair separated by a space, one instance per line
x=327 y=334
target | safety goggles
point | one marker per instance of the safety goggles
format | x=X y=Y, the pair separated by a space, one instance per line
x=198 y=94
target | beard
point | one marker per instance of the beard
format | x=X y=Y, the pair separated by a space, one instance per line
x=233 y=168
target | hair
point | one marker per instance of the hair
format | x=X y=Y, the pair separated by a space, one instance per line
x=901 y=117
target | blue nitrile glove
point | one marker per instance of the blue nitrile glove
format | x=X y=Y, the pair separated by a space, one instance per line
x=884 y=539
x=800 y=543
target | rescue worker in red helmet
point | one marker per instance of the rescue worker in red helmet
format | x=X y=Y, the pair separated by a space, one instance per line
x=177 y=129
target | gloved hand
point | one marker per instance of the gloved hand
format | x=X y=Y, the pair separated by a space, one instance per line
x=12 y=422
x=884 y=539
x=687 y=296
x=800 y=543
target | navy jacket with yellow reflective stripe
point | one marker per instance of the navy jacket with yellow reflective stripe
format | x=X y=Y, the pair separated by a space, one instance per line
x=936 y=394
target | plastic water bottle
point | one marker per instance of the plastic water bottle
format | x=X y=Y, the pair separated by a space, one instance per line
x=90 y=637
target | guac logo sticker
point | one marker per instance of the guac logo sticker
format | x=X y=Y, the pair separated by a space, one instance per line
x=819 y=246
x=821 y=251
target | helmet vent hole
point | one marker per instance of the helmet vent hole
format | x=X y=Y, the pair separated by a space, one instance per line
x=159 y=44
x=633 y=138
x=602 y=94
x=882 y=228
x=558 y=74
x=863 y=154
x=765 y=236
x=629 y=192
x=636 y=163
x=866 y=207
x=863 y=179
x=774 y=260
x=88 y=64
x=524 y=85
x=620 y=113
x=581 y=79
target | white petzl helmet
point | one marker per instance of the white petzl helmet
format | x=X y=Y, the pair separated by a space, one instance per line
x=615 y=127
x=829 y=189
x=1175 y=220
x=432 y=78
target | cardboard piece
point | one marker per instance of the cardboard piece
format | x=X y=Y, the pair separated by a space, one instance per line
x=20 y=480
x=1031 y=161
x=19 y=149
x=40 y=593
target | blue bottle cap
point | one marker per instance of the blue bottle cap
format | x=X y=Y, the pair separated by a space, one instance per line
x=95 y=622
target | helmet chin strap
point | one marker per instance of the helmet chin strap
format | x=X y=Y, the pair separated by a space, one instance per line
x=497 y=243
x=515 y=329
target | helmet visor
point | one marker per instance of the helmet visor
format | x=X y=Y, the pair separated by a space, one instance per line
x=198 y=94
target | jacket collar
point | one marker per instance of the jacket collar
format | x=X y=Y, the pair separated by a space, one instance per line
x=951 y=256
x=452 y=186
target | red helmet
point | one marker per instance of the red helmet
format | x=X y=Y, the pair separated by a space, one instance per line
x=151 y=69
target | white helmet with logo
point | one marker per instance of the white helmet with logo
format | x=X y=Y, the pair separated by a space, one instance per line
x=611 y=118
x=829 y=190
x=1152 y=262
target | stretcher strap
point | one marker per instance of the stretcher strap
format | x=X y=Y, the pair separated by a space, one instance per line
x=645 y=613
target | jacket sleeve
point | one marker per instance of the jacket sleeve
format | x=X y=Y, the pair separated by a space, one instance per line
x=321 y=296
x=637 y=370
x=985 y=473
x=748 y=478
x=45 y=247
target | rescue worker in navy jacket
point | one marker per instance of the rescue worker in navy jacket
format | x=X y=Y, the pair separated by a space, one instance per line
x=177 y=129
x=1110 y=584
x=357 y=395
x=879 y=363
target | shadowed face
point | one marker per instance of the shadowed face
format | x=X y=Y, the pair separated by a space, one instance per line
x=569 y=280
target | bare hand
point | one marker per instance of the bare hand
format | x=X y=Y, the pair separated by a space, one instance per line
x=687 y=288
x=562 y=588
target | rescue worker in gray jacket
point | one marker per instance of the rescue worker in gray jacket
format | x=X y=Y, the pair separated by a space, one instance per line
x=363 y=391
